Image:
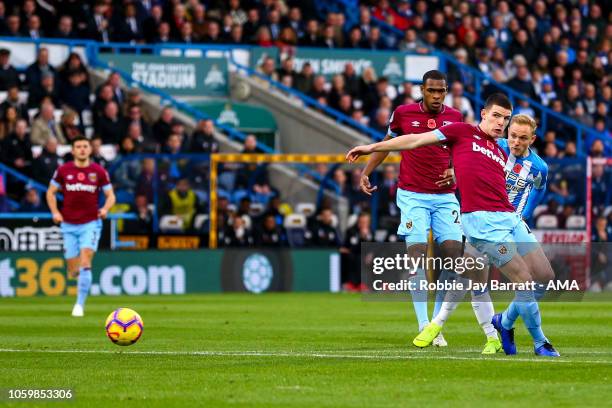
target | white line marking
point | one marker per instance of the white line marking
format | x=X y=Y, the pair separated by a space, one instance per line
x=418 y=355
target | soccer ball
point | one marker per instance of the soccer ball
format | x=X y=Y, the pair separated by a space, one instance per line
x=124 y=326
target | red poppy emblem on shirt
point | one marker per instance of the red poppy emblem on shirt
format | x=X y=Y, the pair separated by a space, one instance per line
x=517 y=168
x=431 y=123
x=489 y=144
x=81 y=176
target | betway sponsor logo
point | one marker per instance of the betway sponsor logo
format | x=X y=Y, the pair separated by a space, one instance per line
x=488 y=153
x=88 y=188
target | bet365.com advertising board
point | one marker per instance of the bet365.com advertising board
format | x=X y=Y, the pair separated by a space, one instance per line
x=24 y=274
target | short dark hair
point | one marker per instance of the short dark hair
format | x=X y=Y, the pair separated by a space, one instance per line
x=435 y=75
x=498 y=99
x=78 y=139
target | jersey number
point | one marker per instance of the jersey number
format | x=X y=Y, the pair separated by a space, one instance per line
x=456 y=215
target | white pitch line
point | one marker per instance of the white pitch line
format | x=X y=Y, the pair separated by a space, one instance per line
x=423 y=356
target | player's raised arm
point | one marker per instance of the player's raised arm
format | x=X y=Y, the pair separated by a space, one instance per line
x=52 y=202
x=404 y=142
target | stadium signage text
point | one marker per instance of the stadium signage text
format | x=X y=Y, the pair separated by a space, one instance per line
x=176 y=75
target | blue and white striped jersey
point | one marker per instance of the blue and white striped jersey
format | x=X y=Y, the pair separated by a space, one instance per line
x=526 y=179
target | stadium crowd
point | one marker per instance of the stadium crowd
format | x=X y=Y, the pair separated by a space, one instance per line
x=557 y=53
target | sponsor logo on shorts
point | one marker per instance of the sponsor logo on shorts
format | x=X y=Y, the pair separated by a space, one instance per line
x=409 y=224
x=503 y=250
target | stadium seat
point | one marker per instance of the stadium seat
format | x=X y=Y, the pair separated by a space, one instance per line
x=539 y=209
x=199 y=221
x=547 y=222
x=380 y=235
x=171 y=223
x=295 y=225
x=575 y=222
x=307 y=209
x=87 y=117
x=57 y=115
x=256 y=209
x=32 y=114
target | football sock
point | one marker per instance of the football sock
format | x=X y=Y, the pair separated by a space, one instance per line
x=510 y=315
x=483 y=309
x=444 y=277
x=530 y=312
x=419 y=299
x=83 y=285
x=451 y=301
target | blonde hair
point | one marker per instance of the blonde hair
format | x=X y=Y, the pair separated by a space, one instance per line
x=522 y=119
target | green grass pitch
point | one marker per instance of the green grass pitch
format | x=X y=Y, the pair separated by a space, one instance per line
x=290 y=350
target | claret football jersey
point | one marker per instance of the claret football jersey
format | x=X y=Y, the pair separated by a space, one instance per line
x=422 y=167
x=81 y=188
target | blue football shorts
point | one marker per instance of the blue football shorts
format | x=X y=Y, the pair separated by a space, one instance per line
x=421 y=212
x=79 y=236
x=499 y=235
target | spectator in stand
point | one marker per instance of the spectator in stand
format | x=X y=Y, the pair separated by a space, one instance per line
x=75 y=92
x=13 y=26
x=65 y=29
x=183 y=201
x=465 y=107
x=126 y=27
x=237 y=233
x=32 y=203
x=45 y=127
x=13 y=100
x=324 y=233
x=47 y=89
x=163 y=127
x=47 y=162
x=127 y=172
x=305 y=79
x=388 y=192
x=134 y=117
x=96 y=154
x=601 y=188
x=350 y=252
x=68 y=126
x=9 y=77
x=203 y=138
x=8 y=122
x=270 y=234
x=110 y=126
x=35 y=72
x=144 y=222
x=16 y=148
x=104 y=96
